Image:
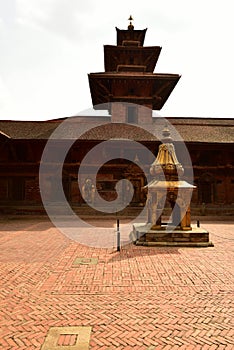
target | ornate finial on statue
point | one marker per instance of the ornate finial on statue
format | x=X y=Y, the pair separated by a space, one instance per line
x=166 y=135
x=130 y=26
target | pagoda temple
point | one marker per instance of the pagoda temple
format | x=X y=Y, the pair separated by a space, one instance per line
x=130 y=91
x=129 y=78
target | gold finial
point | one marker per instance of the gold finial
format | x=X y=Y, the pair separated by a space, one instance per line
x=166 y=134
x=130 y=26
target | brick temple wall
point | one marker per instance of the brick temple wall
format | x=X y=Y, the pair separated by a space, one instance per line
x=213 y=174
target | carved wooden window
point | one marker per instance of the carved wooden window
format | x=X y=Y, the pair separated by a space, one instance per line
x=17 y=188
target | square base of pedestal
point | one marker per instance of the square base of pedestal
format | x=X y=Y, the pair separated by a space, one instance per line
x=143 y=234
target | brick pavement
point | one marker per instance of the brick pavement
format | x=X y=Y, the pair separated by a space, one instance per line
x=141 y=298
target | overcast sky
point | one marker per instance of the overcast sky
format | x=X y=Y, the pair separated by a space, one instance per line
x=47 y=48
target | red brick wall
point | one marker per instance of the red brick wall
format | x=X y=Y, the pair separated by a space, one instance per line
x=119 y=114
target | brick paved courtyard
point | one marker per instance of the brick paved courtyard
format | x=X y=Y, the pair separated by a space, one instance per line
x=139 y=298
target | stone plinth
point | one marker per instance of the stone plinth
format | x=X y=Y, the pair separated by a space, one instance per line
x=142 y=234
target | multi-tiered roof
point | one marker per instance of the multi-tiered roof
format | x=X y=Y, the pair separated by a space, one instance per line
x=129 y=76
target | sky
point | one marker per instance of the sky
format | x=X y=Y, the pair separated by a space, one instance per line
x=48 y=47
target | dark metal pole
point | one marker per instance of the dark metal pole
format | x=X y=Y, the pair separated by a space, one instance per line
x=118 y=236
x=198 y=223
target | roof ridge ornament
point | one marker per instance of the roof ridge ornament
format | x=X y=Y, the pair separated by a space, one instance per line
x=130 y=26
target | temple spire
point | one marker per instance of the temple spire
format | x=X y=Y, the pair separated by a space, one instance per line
x=130 y=26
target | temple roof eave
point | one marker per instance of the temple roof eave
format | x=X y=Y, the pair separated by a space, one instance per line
x=144 y=55
x=196 y=131
x=162 y=85
x=132 y=75
x=4 y=135
x=125 y=34
x=133 y=48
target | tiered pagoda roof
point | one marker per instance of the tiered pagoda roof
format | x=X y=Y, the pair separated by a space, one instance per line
x=129 y=76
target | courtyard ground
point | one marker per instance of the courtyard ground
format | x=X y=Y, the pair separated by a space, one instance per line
x=139 y=298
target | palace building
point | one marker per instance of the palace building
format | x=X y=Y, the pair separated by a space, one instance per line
x=129 y=91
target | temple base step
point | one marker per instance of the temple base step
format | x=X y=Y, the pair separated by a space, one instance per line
x=142 y=234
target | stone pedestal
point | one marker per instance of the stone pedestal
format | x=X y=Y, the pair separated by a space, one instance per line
x=143 y=234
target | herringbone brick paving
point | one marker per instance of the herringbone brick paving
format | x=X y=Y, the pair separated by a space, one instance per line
x=139 y=298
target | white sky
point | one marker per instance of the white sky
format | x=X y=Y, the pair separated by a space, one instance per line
x=47 y=48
